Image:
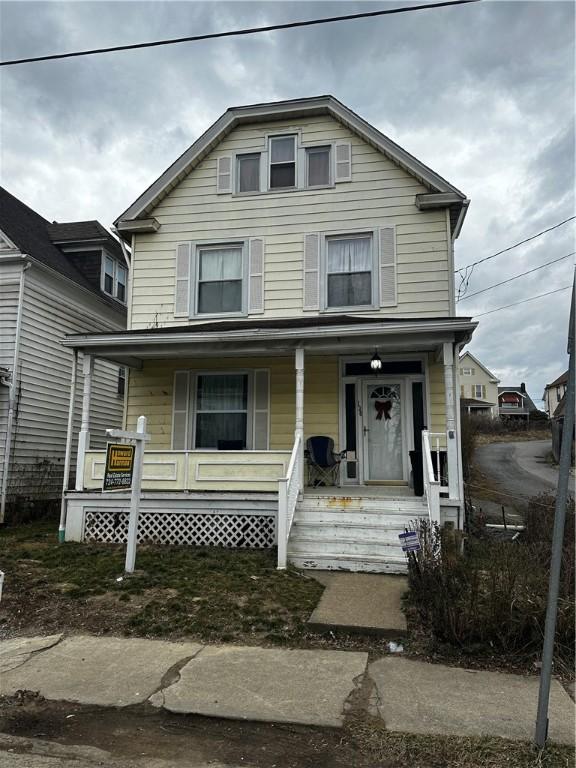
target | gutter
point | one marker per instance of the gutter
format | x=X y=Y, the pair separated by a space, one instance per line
x=14 y=380
x=461 y=217
x=96 y=340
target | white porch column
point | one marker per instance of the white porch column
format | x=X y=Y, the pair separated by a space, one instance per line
x=299 y=424
x=451 y=435
x=84 y=435
x=68 y=454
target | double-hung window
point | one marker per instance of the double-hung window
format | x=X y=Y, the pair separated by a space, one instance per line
x=478 y=391
x=349 y=267
x=282 y=162
x=222 y=411
x=466 y=371
x=114 y=278
x=220 y=271
x=317 y=166
x=248 y=172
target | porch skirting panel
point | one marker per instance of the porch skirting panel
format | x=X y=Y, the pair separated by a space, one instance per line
x=225 y=520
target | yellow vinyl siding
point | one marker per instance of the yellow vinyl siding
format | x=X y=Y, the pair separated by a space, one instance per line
x=437 y=395
x=150 y=393
x=379 y=194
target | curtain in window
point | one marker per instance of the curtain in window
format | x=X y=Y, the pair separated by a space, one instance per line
x=220 y=287
x=249 y=166
x=349 y=267
x=221 y=411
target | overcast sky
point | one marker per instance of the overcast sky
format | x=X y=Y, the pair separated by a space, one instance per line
x=483 y=93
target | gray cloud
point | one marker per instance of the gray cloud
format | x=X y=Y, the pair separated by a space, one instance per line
x=483 y=93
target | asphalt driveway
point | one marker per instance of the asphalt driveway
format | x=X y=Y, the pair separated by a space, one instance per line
x=519 y=469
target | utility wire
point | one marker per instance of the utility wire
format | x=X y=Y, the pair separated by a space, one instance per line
x=510 y=279
x=510 y=247
x=466 y=272
x=238 y=32
x=516 y=303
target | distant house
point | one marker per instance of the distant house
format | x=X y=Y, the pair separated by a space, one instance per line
x=515 y=403
x=478 y=387
x=55 y=279
x=553 y=394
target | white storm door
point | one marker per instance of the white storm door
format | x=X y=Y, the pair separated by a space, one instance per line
x=383 y=431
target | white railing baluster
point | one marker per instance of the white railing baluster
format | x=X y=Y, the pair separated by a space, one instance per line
x=289 y=488
x=431 y=484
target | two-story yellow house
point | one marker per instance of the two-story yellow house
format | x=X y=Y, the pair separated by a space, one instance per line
x=292 y=279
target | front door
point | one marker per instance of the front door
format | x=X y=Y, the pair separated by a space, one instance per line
x=383 y=431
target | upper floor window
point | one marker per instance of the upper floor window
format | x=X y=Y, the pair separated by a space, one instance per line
x=248 y=172
x=220 y=274
x=466 y=371
x=318 y=166
x=479 y=391
x=114 y=278
x=282 y=162
x=349 y=267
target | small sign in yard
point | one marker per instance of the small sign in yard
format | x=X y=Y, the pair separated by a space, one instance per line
x=119 y=467
x=410 y=541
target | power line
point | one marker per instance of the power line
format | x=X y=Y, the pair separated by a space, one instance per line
x=238 y=32
x=510 y=247
x=510 y=279
x=466 y=272
x=516 y=303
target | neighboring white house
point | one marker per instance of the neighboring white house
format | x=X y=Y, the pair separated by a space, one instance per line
x=55 y=279
x=292 y=278
x=478 y=387
x=553 y=394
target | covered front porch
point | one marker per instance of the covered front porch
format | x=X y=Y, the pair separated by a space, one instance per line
x=231 y=408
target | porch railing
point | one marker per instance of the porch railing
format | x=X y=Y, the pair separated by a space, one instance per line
x=432 y=482
x=289 y=488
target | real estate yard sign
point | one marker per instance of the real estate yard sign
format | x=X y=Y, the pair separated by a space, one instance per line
x=119 y=467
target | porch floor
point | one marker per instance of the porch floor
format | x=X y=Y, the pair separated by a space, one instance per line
x=361 y=491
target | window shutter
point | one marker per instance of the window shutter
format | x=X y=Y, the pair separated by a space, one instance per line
x=311 y=270
x=261 y=409
x=256 y=276
x=224 y=175
x=343 y=161
x=461 y=371
x=461 y=390
x=180 y=410
x=483 y=391
x=182 y=288
x=388 y=267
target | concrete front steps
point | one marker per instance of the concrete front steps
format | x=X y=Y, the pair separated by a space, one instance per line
x=352 y=533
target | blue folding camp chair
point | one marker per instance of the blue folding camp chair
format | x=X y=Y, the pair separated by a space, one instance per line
x=323 y=462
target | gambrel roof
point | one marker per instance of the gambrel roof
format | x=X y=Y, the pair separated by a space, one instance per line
x=442 y=193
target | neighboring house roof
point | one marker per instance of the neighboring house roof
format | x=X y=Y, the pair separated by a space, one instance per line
x=294 y=109
x=559 y=410
x=518 y=391
x=481 y=365
x=563 y=379
x=31 y=233
x=74 y=232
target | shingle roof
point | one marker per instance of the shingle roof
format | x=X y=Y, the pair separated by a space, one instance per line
x=81 y=231
x=30 y=232
x=563 y=379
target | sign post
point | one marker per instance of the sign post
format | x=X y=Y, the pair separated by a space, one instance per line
x=124 y=470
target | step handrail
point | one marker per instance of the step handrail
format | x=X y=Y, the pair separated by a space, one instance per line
x=289 y=488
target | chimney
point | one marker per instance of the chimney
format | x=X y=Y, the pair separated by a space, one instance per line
x=523 y=388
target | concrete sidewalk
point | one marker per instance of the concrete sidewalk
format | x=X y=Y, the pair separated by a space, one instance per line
x=278 y=685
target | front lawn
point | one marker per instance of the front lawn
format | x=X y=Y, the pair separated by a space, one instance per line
x=209 y=594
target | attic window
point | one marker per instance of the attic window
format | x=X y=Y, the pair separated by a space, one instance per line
x=249 y=172
x=282 y=162
x=114 y=278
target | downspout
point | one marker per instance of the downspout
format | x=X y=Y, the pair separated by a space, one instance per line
x=13 y=393
x=67 y=458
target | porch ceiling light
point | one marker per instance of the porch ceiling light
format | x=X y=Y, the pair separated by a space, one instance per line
x=376 y=362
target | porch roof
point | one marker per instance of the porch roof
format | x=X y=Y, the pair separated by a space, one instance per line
x=326 y=334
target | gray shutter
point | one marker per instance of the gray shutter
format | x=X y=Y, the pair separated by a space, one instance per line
x=473 y=371
x=261 y=409
x=256 y=276
x=311 y=299
x=180 y=405
x=224 y=175
x=388 y=267
x=182 y=287
x=462 y=390
x=343 y=161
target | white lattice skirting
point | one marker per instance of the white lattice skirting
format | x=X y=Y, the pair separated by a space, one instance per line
x=223 y=530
